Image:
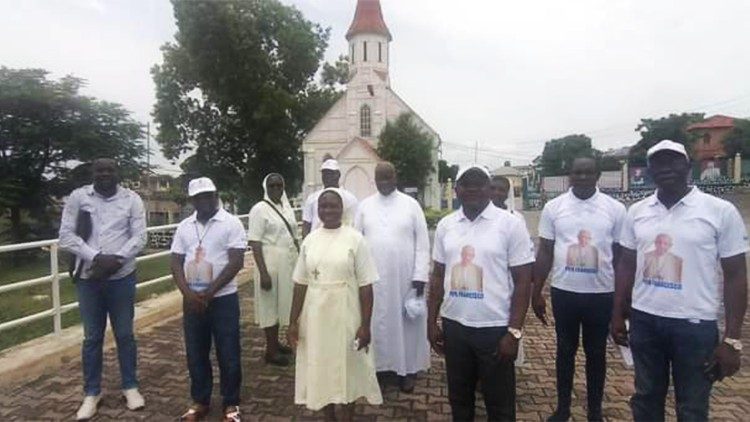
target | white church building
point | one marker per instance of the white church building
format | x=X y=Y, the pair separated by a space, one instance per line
x=349 y=130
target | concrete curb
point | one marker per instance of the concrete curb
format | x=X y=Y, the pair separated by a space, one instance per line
x=31 y=360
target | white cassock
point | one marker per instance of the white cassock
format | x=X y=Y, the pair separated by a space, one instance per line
x=396 y=232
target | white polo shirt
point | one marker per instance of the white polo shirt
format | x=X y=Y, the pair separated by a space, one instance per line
x=678 y=252
x=310 y=210
x=221 y=233
x=583 y=231
x=477 y=256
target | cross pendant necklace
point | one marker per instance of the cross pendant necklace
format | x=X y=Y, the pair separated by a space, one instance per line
x=316 y=273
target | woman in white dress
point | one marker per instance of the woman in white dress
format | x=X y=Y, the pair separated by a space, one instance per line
x=330 y=320
x=273 y=239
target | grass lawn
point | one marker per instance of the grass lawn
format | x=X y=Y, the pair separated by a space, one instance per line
x=19 y=303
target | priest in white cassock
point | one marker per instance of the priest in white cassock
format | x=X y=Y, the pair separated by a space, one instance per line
x=395 y=229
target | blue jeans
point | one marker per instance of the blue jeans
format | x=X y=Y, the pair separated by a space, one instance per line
x=220 y=321
x=96 y=301
x=658 y=343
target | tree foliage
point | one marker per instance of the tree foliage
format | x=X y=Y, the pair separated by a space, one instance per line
x=409 y=147
x=236 y=89
x=738 y=140
x=558 y=154
x=46 y=127
x=446 y=171
x=672 y=127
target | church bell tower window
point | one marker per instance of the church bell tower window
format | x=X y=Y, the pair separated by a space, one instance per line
x=365 y=121
x=364 y=51
x=380 y=52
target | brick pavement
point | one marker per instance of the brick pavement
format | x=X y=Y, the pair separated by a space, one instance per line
x=268 y=391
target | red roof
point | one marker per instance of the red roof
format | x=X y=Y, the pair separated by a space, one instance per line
x=713 y=122
x=368 y=19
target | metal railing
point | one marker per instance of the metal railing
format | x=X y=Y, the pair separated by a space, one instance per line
x=55 y=276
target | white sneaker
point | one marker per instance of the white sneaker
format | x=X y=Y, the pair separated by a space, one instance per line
x=88 y=408
x=134 y=399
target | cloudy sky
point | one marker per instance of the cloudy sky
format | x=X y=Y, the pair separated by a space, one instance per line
x=505 y=76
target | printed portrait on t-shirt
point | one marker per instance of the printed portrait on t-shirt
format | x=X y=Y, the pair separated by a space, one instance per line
x=198 y=271
x=661 y=267
x=583 y=256
x=466 y=276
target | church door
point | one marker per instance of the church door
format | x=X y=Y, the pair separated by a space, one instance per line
x=358 y=182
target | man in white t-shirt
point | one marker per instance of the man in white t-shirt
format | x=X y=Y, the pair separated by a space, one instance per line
x=208 y=251
x=330 y=174
x=578 y=243
x=482 y=323
x=672 y=244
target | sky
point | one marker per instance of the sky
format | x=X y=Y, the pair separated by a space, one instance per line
x=495 y=78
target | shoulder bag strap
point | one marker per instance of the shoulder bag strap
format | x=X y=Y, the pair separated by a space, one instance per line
x=286 y=223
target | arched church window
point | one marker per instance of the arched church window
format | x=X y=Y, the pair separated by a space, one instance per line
x=380 y=52
x=352 y=53
x=365 y=121
x=364 y=51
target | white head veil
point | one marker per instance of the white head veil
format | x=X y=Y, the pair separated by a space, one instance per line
x=511 y=201
x=286 y=207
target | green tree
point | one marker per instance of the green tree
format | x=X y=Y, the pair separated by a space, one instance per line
x=672 y=127
x=446 y=171
x=409 y=148
x=558 y=154
x=738 y=140
x=236 y=89
x=46 y=128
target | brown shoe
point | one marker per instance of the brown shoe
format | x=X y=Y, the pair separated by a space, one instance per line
x=195 y=413
x=232 y=414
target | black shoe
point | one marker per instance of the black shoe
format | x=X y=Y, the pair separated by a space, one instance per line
x=277 y=360
x=407 y=383
x=559 y=416
x=285 y=350
x=595 y=416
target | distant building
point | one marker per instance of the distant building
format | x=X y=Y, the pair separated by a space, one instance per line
x=711 y=133
x=349 y=130
x=162 y=207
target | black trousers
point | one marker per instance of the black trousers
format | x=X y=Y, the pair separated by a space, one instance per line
x=592 y=312
x=470 y=356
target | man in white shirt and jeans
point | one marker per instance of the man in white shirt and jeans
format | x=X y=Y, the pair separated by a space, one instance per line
x=482 y=322
x=674 y=308
x=578 y=242
x=115 y=232
x=208 y=251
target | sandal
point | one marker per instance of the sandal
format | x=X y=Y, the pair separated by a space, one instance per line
x=195 y=413
x=232 y=414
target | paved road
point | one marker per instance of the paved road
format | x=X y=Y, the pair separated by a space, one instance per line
x=268 y=391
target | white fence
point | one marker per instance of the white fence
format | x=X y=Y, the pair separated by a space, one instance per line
x=55 y=276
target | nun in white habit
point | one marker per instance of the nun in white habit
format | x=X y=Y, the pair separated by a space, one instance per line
x=272 y=234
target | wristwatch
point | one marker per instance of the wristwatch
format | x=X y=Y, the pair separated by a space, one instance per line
x=734 y=343
x=515 y=332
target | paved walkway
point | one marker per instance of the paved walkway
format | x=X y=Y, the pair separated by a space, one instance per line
x=268 y=391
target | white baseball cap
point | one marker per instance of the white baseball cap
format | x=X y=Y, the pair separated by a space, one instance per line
x=201 y=185
x=667 y=145
x=330 y=164
x=479 y=167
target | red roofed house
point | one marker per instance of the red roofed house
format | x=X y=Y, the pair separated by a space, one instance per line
x=349 y=130
x=711 y=133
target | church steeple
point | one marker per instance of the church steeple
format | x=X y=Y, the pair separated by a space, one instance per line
x=368 y=19
x=369 y=40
